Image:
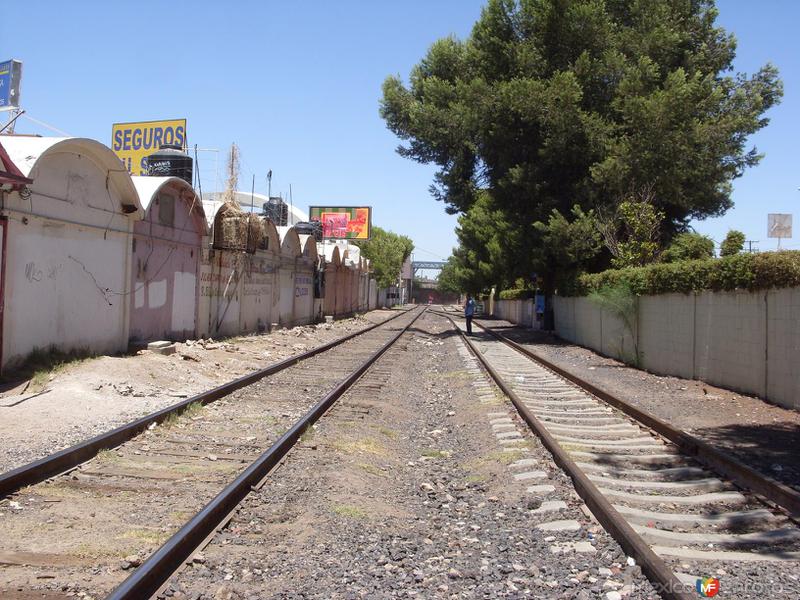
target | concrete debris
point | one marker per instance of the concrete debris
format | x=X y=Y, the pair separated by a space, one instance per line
x=162 y=347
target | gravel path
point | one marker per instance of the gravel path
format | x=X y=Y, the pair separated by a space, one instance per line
x=422 y=482
x=93 y=396
x=760 y=434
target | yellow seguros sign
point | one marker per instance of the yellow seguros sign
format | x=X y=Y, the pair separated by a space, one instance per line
x=134 y=142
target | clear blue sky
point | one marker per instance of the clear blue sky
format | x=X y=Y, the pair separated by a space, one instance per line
x=297 y=85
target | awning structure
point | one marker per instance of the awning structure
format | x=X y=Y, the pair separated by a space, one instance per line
x=9 y=173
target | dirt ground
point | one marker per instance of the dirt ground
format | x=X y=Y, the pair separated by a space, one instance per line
x=765 y=436
x=94 y=395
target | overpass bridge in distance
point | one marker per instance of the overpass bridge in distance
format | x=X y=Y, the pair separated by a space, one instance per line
x=426 y=265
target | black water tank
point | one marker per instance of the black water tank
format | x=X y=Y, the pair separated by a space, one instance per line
x=309 y=228
x=277 y=211
x=170 y=161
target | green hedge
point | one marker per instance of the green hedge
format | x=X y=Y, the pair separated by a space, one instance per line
x=516 y=294
x=740 y=271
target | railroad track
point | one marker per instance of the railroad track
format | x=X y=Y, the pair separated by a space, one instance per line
x=143 y=505
x=682 y=520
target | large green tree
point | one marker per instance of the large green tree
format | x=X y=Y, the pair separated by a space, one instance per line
x=554 y=103
x=387 y=251
x=449 y=280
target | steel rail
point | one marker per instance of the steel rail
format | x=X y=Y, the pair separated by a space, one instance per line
x=724 y=464
x=653 y=566
x=160 y=566
x=68 y=458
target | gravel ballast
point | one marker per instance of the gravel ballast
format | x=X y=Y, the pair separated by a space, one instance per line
x=421 y=482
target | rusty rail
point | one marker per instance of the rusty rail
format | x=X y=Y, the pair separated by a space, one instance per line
x=724 y=464
x=160 y=566
x=69 y=458
x=660 y=575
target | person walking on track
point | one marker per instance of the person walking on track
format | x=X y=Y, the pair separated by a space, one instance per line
x=469 y=311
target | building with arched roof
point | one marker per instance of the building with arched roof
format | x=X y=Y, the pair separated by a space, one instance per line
x=221 y=270
x=343 y=286
x=167 y=245
x=331 y=254
x=291 y=254
x=240 y=276
x=66 y=260
x=260 y=286
x=308 y=308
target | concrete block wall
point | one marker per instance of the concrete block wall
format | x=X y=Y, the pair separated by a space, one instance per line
x=520 y=312
x=615 y=338
x=744 y=341
x=730 y=340
x=588 y=324
x=565 y=318
x=666 y=334
x=783 y=350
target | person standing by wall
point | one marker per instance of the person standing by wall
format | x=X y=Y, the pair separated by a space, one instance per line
x=469 y=311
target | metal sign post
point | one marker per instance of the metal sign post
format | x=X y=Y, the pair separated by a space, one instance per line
x=779 y=226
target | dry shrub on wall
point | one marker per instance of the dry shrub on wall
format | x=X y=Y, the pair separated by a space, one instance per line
x=254 y=236
x=230 y=227
x=737 y=272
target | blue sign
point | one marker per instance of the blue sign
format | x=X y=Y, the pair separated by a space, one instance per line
x=10 y=72
x=539 y=302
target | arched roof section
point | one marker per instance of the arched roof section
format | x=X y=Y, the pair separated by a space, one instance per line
x=149 y=187
x=29 y=153
x=271 y=237
x=290 y=242
x=255 y=233
x=309 y=245
x=332 y=254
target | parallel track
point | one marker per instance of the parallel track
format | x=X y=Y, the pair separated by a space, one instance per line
x=137 y=494
x=662 y=505
x=63 y=460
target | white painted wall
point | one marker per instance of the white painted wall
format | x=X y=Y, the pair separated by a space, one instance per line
x=286 y=302
x=222 y=281
x=68 y=250
x=260 y=280
x=373 y=294
x=745 y=341
x=65 y=287
x=303 y=294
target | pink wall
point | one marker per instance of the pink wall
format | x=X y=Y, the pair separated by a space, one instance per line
x=165 y=268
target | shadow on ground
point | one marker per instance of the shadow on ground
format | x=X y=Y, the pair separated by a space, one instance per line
x=772 y=449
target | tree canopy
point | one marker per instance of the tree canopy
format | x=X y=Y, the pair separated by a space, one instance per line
x=733 y=243
x=387 y=251
x=549 y=104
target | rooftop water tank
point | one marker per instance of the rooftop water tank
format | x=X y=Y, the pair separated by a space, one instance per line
x=309 y=228
x=277 y=211
x=170 y=161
